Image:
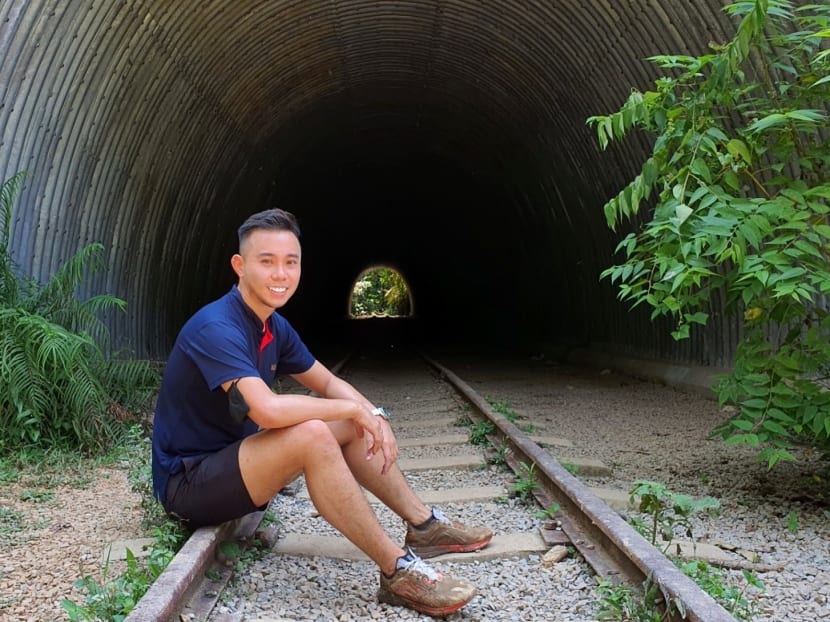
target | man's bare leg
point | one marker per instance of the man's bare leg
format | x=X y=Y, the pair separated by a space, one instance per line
x=391 y=488
x=272 y=458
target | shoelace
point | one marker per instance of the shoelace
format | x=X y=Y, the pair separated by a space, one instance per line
x=440 y=516
x=416 y=564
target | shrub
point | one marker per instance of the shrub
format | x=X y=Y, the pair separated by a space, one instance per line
x=738 y=186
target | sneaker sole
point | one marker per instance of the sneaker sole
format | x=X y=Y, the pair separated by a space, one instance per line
x=426 y=552
x=389 y=598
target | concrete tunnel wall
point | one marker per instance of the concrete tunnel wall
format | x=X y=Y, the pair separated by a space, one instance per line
x=445 y=137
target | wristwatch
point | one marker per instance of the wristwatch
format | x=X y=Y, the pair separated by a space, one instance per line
x=382 y=412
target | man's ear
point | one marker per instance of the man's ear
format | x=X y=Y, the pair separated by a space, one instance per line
x=238 y=264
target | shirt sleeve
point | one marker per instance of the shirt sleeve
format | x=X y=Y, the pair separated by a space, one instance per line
x=220 y=351
x=294 y=356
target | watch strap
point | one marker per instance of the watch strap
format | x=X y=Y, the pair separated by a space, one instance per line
x=382 y=412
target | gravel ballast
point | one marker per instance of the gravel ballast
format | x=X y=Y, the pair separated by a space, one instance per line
x=772 y=519
x=644 y=431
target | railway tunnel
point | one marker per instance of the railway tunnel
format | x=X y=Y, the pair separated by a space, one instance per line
x=445 y=138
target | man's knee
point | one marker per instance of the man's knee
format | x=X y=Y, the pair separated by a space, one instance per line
x=316 y=431
x=313 y=435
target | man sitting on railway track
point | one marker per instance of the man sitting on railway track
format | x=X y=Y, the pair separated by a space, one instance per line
x=224 y=443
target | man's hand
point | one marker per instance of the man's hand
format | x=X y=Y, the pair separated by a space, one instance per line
x=378 y=437
x=389 y=445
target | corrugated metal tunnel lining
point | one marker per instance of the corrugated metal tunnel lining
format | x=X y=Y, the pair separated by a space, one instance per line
x=446 y=138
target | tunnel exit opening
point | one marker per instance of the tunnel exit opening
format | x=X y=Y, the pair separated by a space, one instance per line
x=380 y=291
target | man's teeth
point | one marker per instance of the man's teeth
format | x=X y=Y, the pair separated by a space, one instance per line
x=278 y=290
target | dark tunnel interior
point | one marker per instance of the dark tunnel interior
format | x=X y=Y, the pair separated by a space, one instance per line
x=444 y=138
x=444 y=224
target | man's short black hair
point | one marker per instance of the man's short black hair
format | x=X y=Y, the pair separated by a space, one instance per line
x=275 y=219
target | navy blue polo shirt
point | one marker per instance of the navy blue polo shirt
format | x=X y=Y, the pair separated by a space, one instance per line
x=220 y=342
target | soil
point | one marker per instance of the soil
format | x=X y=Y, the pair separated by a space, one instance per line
x=53 y=536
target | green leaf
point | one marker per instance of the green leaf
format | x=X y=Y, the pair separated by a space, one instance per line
x=731 y=180
x=699 y=168
x=743 y=439
x=755 y=404
x=775 y=427
x=773 y=120
x=682 y=212
x=697 y=318
x=738 y=148
x=810 y=115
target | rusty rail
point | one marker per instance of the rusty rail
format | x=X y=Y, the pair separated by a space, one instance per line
x=609 y=544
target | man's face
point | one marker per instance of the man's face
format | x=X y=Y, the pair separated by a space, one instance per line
x=268 y=267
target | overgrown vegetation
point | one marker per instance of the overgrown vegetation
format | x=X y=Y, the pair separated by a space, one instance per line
x=59 y=384
x=525 y=484
x=737 y=188
x=667 y=511
x=114 y=596
x=68 y=401
x=480 y=430
x=380 y=292
x=667 y=514
x=506 y=411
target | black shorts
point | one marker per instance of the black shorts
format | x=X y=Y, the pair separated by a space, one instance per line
x=209 y=490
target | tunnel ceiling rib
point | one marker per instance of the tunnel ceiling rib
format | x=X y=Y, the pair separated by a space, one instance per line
x=153 y=126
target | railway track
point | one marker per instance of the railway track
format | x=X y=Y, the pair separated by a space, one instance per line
x=430 y=403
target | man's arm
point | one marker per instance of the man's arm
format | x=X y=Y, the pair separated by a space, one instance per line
x=339 y=401
x=270 y=410
x=322 y=381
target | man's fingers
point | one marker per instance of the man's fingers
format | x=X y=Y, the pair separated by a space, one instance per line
x=374 y=444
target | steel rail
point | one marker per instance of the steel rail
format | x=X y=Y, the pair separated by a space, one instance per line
x=609 y=544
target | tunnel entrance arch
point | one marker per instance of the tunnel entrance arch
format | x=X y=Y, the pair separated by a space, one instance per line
x=380 y=291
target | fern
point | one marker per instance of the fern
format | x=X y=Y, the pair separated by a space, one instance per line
x=57 y=386
x=8 y=281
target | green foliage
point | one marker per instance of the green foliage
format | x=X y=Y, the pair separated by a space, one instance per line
x=480 y=431
x=57 y=385
x=779 y=391
x=497 y=455
x=12 y=523
x=668 y=511
x=549 y=512
x=380 y=291
x=737 y=185
x=714 y=582
x=114 y=597
x=138 y=454
x=792 y=522
x=504 y=409
x=629 y=604
x=526 y=483
x=114 y=600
